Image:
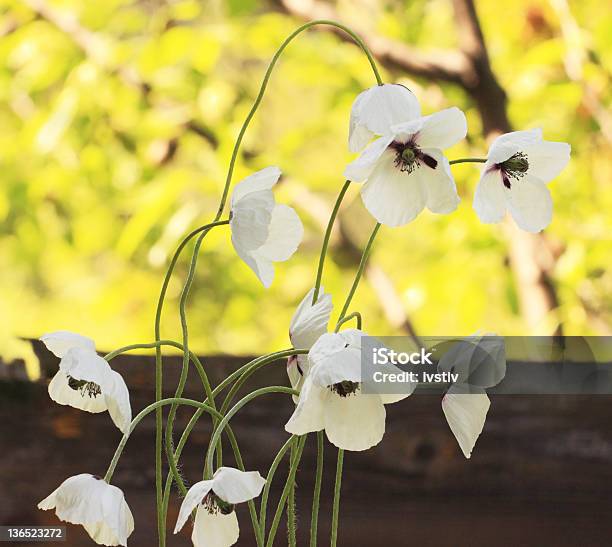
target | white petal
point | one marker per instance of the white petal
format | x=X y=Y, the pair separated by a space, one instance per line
x=465 y=414
x=235 y=486
x=250 y=222
x=99 y=507
x=442 y=195
x=334 y=358
x=393 y=197
x=63 y=394
x=508 y=144
x=442 y=129
x=530 y=204
x=85 y=364
x=264 y=179
x=547 y=159
x=215 y=530
x=355 y=422
x=310 y=322
x=390 y=398
x=61 y=341
x=263 y=268
x=298 y=367
x=490 y=196
x=309 y=413
x=377 y=109
x=361 y=168
x=117 y=399
x=192 y=499
x=285 y=233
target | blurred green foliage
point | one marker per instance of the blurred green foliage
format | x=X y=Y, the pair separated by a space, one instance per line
x=102 y=172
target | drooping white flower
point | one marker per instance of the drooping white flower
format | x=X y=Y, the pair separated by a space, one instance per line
x=514 y=179
x=96 y=505
x=216 y=524
x=85 y=380
x=405 y=170
x=465 y=408
x=478 y=362
x=263 y=231
x=308 y=323
x=332 y=399
x=377 y=109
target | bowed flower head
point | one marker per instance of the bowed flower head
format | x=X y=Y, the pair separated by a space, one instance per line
x=96 y=505
x=405 y=170
x=377 y=109
x=216 y=524
x=514 y=178
x=263 y=231
x=331 y=397
x=308 y=324
x=85 y=380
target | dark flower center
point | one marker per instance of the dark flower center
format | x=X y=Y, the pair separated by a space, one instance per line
x=214 y=504
x=408 y=156
x=346 y=388
x=514 y=167
x=89 y=389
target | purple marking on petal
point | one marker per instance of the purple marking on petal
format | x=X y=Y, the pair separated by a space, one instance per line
x=429 y=161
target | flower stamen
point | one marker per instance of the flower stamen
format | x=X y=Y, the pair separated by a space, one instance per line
x=214 y=504
x=409 y=156
x=514 y=167
x=345 y=388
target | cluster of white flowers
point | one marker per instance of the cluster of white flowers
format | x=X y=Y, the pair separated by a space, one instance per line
x=403 y=170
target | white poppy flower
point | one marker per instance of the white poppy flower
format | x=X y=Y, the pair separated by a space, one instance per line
x=216 y=524
x=514 y=178
x=85 y=380
x=263 y=231
x=96 y=505
x=465 y=408
x=331 y=397
x=405 y=170
x=307 y=325
x=377 y=109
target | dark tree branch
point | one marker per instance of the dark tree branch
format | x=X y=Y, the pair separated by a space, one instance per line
x=443 y=65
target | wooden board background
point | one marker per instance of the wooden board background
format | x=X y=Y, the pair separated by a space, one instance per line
x=541 y=473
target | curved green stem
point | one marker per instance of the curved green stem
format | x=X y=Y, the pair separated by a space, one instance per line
x=354 y=315
x=264 y=85
x=468 y=160
x=296 y=457
x=328 y=231
x=208 y=470
x=314 y=519
x=336 y=507
x=139 y=417
x=362 y=264
x=161 y=525
x=266 y=491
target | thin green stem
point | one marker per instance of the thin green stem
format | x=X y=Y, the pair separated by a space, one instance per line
x=328 y=232
x=314 y=519
x=336 y=507
x=292 y=471
x=184 y=370
x=362 y=264
x=468 y=160
x=264 y=85
x=208 y=472
x=161 y=525
x=354 y=315
x=266 y=491
x=291 y=524
x=139 y=417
